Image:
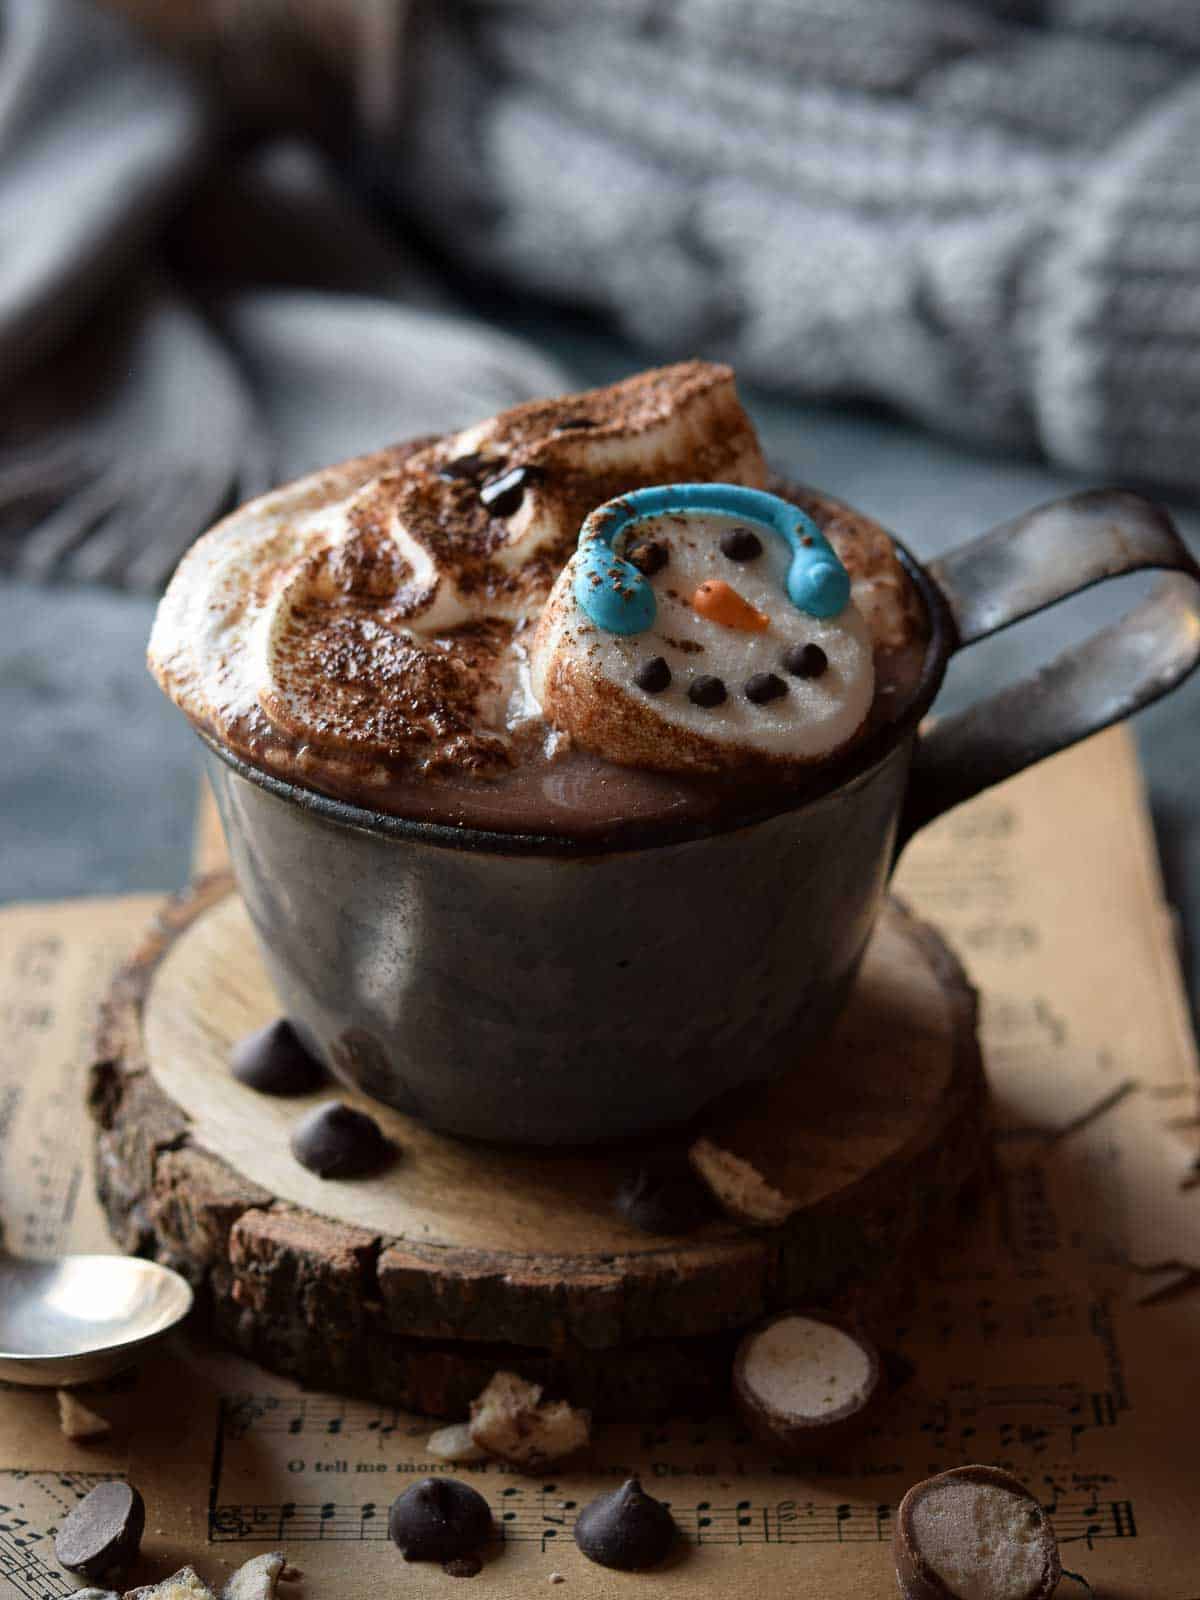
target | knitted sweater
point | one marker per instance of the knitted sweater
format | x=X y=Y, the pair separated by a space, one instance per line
x=981 y=212
x=985 y=214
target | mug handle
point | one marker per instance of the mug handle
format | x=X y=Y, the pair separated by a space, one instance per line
x=1018 y=569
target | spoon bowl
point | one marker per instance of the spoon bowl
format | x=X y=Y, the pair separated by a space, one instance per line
x=79 y=1318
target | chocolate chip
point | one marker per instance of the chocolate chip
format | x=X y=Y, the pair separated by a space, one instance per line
x=648 y=556
x=764 y=687
x=575 y=422
x=653 y=676
x=503 y=495
x=335 y=1141
x=806 y=661
x=741 y=544
x=627 y=1529
x=103 y=1532
x=273 y=1061
x=664 y=1195
x=471 y=468
x=706 y=691
x=439 y=1519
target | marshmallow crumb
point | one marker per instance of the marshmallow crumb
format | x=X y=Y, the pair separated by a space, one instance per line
x=257 y=1580
x=739 y=1188
x=77 y=1421
x=455 y=1444
x=186 y=1584
x=511 y=1420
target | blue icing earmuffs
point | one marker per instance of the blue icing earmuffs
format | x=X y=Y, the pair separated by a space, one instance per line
x=613 y=594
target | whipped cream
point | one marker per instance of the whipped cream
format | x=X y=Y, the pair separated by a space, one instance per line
x=363 y=619
x=369 y=629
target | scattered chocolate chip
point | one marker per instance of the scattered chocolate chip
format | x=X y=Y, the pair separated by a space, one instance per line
x=503 y=495
x=653 y=676
x=974 y=1530
x=273 y=1061
x=741 y=544
x=706 y=691
x=648 y=556
x=439 y=1519
x=664 y=1195
x=335 y=1141
x=764 y=687
x=626 y=1529
x=463 y=1567
x=103 y=1532
x=575 y=422
x=472 y=468
x=806 y=661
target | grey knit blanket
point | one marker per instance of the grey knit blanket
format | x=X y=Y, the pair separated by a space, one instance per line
x=984 y=213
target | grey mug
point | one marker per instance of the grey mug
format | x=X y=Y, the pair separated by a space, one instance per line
x=525 y=989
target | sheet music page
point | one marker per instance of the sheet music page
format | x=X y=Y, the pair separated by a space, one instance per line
x=1055 y=1335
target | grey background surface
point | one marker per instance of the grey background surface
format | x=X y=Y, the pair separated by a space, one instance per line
x=98 y=779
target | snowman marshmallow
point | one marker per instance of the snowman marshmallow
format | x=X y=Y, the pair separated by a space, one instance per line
x=703 y=627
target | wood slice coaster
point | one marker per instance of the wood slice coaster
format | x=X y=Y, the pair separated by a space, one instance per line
x=412 y=1286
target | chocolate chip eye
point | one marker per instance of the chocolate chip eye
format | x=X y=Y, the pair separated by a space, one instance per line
x=806 y=661
x=575 y=422
x=741 y=544
x=648 y=556
x=503 y=495
x=653 y=676
x=764 y=687
x=471 y=468
x=706 y=691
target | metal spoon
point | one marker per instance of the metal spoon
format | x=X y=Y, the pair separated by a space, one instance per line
x=79 y=1318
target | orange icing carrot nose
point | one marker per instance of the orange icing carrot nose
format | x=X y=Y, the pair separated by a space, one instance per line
x=720 y=602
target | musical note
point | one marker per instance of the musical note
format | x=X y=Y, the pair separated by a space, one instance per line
x=312 y=1414
x=1124 y=1526
x=745 y=1518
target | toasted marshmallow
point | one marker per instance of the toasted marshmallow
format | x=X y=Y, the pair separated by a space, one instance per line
x=730 y=673
x=363 y=619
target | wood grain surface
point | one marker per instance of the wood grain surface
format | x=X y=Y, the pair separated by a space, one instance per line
x=413 y=1285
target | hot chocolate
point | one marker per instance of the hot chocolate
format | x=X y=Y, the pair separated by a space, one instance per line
x=401 y=631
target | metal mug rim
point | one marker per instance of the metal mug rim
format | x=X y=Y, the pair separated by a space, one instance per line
x=872 y=752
